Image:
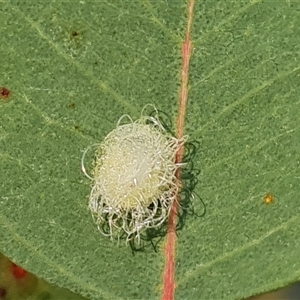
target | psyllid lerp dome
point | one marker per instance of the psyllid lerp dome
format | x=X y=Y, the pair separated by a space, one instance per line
x=134 y=178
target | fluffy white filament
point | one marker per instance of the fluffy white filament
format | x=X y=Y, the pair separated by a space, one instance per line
x=134 y=178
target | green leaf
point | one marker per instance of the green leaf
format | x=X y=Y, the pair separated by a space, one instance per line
x=74 y=68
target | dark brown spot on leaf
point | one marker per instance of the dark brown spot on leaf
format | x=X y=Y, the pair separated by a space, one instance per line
x=71 y=105
x=74 y=33
x=4 y=93
x=3 y=293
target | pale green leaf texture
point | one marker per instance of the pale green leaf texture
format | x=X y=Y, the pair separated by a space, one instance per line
x=75 y=68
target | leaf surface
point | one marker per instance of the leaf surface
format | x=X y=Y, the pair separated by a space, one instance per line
x=75 y=69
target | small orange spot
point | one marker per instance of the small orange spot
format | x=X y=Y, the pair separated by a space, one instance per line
x=18 y=272
x=269 y=198
x=4 y=93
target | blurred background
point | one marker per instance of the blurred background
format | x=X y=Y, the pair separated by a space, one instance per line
x=17 y=284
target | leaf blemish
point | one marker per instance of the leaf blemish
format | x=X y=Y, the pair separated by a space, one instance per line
x=71 y=105
x=74 y=33
x=3 y=292
x=4 y=93
x=269 y=198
